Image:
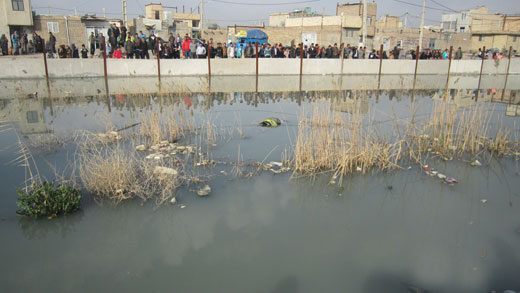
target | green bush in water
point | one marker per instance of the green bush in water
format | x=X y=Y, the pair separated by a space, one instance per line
x=48 y=200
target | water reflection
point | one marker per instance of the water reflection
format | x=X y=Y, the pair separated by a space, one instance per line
x=31 y=117
x=39 y=229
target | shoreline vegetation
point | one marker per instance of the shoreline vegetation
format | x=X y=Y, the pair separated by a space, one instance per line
x=168 y=149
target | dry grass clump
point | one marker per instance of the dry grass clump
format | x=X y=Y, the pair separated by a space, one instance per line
x=169 y=126
x=348 y=142
x=45 y=142
x=116 y=172
x=336 y=141
x=453 y=132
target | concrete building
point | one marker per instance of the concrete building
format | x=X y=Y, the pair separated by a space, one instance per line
x=388 y=22
x=353 y=22
x=461 y=21
x=495 y=31
x=73 y=29
x=344 y=27
x=408 y=39
x=163 y=22
x=15 y=15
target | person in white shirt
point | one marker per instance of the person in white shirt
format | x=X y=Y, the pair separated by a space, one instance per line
x=231 y=51
x=201 y=52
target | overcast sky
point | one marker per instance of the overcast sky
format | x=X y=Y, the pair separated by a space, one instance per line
x=229 y=14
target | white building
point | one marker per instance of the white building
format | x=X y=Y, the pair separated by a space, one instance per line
x=460 y=22
x=15 y=15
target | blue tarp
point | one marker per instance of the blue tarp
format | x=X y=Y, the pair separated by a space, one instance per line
x=256 y=34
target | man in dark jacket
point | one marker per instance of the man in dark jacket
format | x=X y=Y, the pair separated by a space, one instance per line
x=52 y=43
x=458 y=54
x=153 y=41
x=248 y=51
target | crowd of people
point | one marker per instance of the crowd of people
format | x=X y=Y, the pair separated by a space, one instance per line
x=21 y=44
x=119 y=43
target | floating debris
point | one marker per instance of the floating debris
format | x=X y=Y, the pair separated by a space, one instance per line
x=450 y=180
x=223 y=173
x=276 y=164
x=182 y=206
x=441 y=176
x=471 y=223
x=165 y=171
x=204 y=191
x=270 y=122
x=140 y=148
x=173 y=200
x=476 y=163
x=483 y=200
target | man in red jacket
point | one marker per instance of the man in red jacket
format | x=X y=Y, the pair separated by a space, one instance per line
x=186 y=47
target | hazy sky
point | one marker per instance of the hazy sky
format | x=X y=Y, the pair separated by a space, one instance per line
x=229 y=14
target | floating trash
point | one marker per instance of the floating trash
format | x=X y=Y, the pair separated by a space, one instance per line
x=204 y=191
x=165 y=171
x=173 y=200
x=476 y=163
x=182 y=206
x=441 y=176
x=140 y=148
x=483 y=200
x=270 y=122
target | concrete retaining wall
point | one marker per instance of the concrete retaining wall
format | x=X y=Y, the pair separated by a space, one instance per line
x=16 y=68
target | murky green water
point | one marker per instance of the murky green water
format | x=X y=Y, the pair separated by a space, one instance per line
x=394 y=231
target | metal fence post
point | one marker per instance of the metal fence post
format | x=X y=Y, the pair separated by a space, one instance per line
x=416 y=65
x=209 y=59
x=158 y=53
x=105 y=70
x=481 y=68
x=507 y=71
x=380 y=66
x=301 y=65
x=45 y=63
x=256 y=47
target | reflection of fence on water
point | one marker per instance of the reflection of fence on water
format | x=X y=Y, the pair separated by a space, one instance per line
x=31 y=113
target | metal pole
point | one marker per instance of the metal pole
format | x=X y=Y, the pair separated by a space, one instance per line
x=301 y=65
x=449 y=69
x=105 y=70
x=422 y=25
x=341 y=52
x=105 y=62
x=209 y=60
x=45 y=62
x=416 y=65
x=201 y=16
x=256 y=46
x=380 y=65
x=365 y=8
x=158 y=53
x=481 y=68
x=507 y=71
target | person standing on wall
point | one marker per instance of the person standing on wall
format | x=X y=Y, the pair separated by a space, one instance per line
x=201 y=51
x=153 y=42
x=92 y=44
x=4 y=45
x=458 y=54
x=143 y=46
x=52 y=43
x=186 y=47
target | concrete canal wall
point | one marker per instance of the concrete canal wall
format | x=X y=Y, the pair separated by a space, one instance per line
x=21 y=68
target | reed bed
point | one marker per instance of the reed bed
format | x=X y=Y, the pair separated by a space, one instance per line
x=170 y=125
x=116 y=172
x=340 y=142
x=348 y=142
